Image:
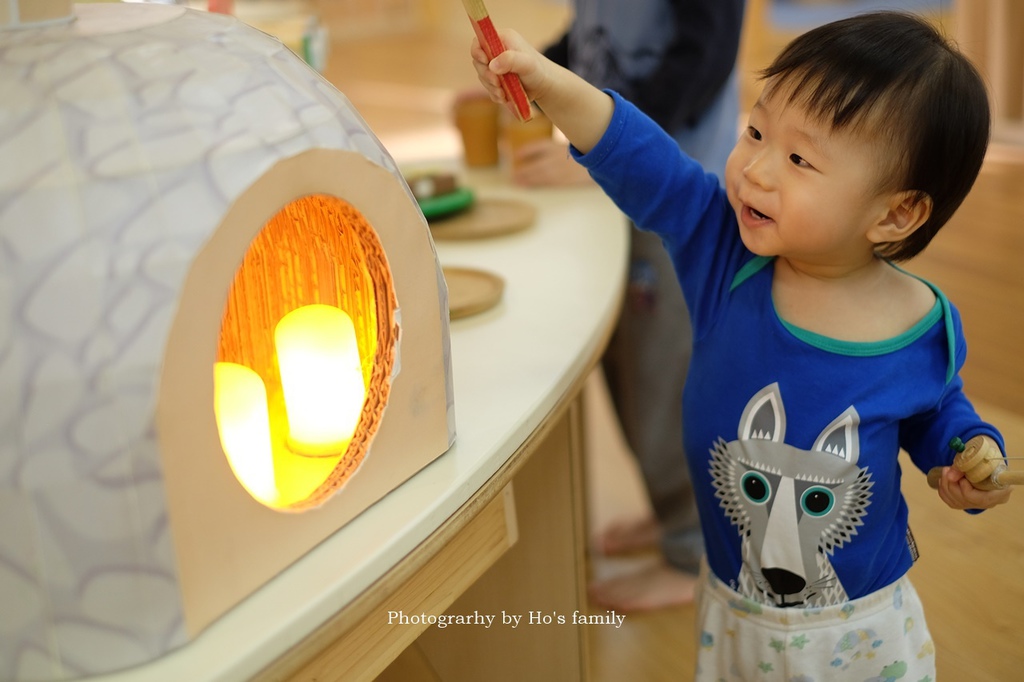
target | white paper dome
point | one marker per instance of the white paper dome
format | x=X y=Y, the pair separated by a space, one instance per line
x=125 y=137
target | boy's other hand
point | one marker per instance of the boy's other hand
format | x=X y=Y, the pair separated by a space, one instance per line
x=958 y=493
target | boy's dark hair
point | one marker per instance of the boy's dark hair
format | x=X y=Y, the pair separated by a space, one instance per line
x=897 y=73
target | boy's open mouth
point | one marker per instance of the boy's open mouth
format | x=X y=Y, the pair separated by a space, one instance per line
x=757 y=214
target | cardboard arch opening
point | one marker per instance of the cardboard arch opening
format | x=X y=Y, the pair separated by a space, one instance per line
x=226 y=542
x=318 y=250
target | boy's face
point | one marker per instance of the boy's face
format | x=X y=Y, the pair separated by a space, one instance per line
x=803 y=191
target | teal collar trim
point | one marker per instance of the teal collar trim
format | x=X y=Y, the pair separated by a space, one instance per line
x=947 y=315
x=866 y=349
x=749 y=269
x=947 y=318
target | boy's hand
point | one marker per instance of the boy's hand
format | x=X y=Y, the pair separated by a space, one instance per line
x=578 y=109
x=957 y=492
x=519 y=57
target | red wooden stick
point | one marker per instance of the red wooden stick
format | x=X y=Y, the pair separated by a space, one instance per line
x=489 y=40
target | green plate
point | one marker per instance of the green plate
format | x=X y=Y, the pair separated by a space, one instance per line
x=446 y=204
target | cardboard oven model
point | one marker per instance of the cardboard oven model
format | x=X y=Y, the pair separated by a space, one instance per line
x=223 y=327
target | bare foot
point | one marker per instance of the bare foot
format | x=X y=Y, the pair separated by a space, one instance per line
x=635 y=535
x=655 y=587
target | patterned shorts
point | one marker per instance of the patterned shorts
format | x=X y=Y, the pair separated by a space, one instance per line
x=880 y=637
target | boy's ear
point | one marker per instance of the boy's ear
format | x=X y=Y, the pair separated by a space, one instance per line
x=908 y=210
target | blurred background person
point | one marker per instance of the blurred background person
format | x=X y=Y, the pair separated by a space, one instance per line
x=675 y=59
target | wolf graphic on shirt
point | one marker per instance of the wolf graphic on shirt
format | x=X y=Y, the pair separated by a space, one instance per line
x=792 y=507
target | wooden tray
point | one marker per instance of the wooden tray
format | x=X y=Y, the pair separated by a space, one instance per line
x=486 y=217
x=471 y=291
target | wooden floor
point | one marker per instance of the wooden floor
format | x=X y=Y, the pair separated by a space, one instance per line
x=971 y=573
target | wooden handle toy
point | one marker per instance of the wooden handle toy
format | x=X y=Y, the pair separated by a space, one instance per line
x=982 y=464
x=489 y=40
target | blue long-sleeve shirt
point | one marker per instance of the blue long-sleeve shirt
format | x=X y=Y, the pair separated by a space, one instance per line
x=792 y=438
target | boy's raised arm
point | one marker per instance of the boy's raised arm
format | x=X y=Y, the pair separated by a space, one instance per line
x=578 y=109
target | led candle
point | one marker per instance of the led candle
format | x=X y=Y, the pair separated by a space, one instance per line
x=240 y=407
x=321 y=378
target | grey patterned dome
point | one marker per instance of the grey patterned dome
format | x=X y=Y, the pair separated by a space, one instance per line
x=124 y=138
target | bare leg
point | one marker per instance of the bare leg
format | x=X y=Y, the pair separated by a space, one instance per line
x=646 y=368
x=655 y=587
x=627 y=536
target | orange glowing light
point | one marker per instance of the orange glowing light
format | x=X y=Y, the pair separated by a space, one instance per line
x=317 y=252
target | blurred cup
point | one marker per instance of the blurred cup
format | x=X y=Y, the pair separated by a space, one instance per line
x=477 y=119
x=517 y=133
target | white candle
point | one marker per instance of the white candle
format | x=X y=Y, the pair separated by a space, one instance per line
x=240 y=406
x=321 y=378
